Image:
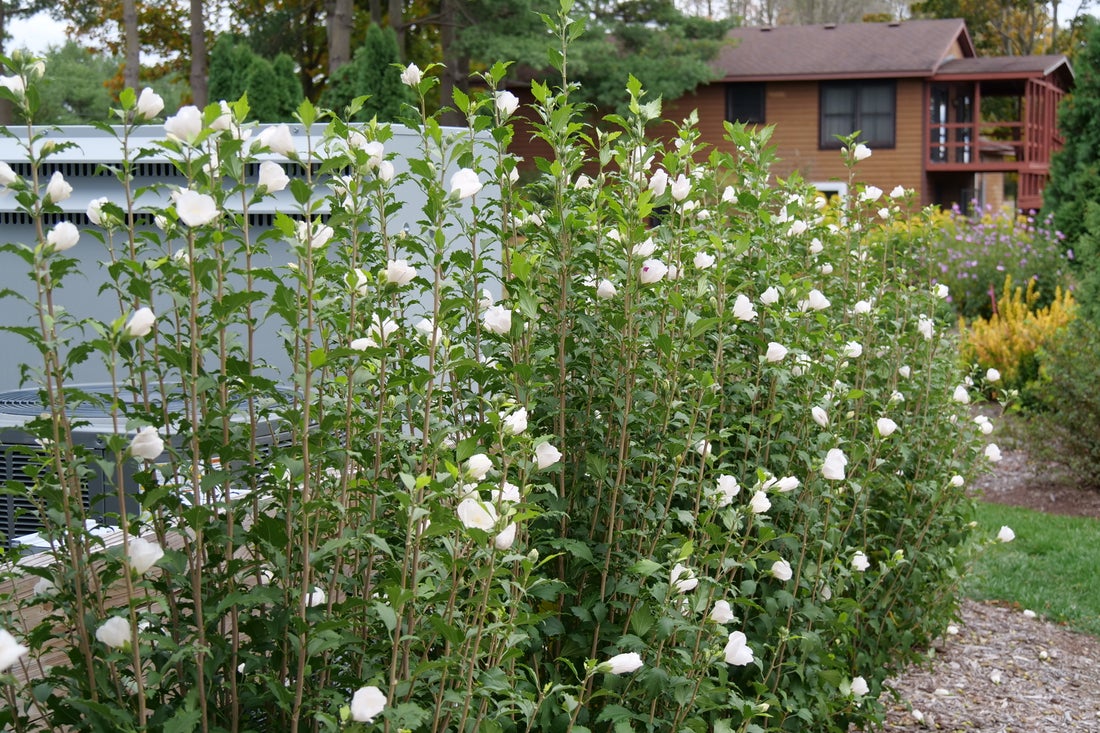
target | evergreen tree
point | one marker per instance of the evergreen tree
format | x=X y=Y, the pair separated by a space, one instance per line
x=262 y=88
x=667 y=50
x=342 y=85
x=288 y=87
x=1075 y=170
x=1086 y=251
x=75 y=92
x=273 y=89
x=229 y=62
x=371 y=72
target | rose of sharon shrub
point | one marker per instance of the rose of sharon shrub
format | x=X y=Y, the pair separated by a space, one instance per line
x=525 y=512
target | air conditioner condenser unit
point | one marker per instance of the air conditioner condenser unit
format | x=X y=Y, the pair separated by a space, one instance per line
x=21 y=454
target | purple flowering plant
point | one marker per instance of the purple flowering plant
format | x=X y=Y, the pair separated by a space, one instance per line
x=973 y=253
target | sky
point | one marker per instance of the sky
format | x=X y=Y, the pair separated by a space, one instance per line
x=36 y=33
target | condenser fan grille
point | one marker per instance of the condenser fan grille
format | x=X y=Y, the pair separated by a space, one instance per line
x=22 y=402
x=26 y=403
x=22 y=471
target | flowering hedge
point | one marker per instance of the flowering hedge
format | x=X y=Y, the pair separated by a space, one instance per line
x=698 y=465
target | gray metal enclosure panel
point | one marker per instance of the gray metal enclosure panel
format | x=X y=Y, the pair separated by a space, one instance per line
x=84 y=168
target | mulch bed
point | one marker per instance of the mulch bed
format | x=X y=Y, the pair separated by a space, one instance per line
x=1018 y=482
x=1001 y=669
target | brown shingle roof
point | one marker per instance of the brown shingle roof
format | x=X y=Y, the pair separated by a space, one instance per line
x=909 y=48
x=1015 y=65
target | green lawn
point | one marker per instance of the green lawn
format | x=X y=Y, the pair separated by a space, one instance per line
x=1052 y=567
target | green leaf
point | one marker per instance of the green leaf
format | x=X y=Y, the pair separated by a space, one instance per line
x=408 y=716
x=301 y=191
x=615 y=713
x=307 y=113
x=528 y=305
x=645 y=568
x=521 y=266
x=642 y=620
x=576 y=548
x=386 y=614
x=462 y=101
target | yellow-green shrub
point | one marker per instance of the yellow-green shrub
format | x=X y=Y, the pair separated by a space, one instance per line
x=1009 y=340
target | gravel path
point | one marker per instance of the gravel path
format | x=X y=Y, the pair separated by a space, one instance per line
x=1002 y=671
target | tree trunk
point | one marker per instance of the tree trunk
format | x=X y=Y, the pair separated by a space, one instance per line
x=397 y=22
x=198 y=55
x=455 y=68
x=339 y=33
x=132 y=69
x=1054 y=26
x=376 y=12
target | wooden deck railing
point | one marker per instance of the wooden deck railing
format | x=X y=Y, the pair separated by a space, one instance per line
x=996 y=146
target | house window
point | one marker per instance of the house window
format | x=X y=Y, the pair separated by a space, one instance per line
x=865 y=106
x=745 y=103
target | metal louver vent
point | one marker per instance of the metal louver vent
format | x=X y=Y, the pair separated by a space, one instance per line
x=18 y=514
x=69 y=170
x=22 y=470
x=293 y=169
x=141 y=219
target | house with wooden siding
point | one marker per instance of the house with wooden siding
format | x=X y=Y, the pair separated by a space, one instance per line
x=940 y=119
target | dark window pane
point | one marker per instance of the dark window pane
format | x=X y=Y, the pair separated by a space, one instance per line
x=878 y=129
x=876 y=100
x=839 y=100
x=834 y=125
x=745 y=103
x=865 y=106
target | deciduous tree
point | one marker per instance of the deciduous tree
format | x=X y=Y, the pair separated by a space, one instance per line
x=131 y=39
x=12 y=10
x=198 y=53
x=339 y=23
x=174 y=33
x=1004 y=27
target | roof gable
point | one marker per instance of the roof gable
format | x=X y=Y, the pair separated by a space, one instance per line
x=911 y=48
